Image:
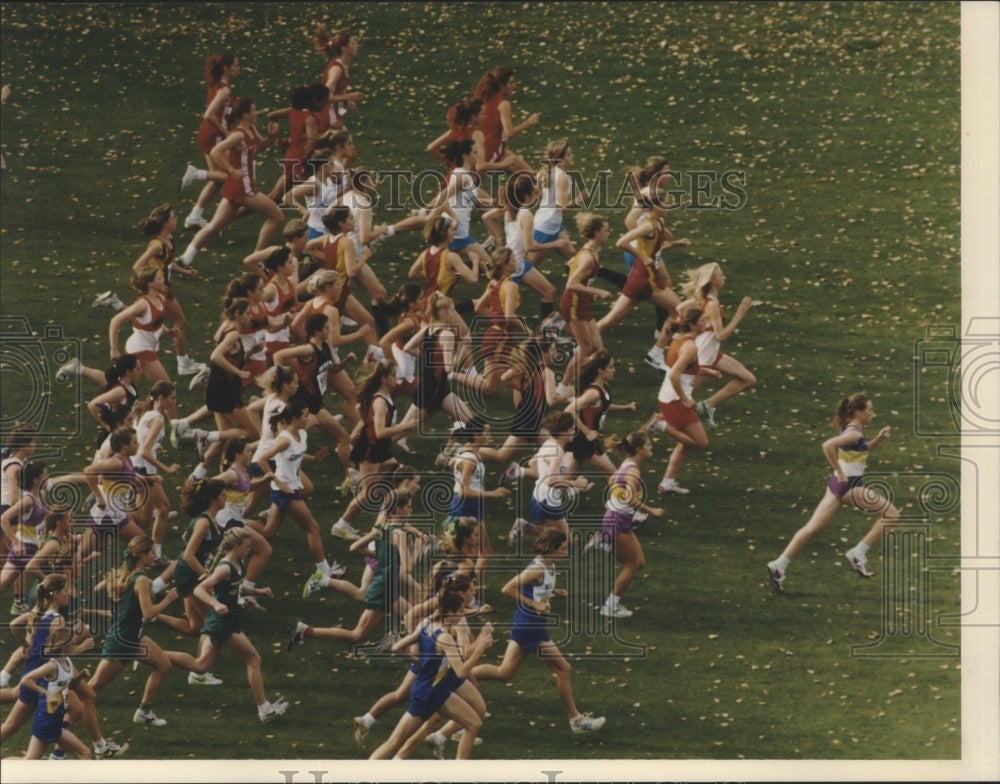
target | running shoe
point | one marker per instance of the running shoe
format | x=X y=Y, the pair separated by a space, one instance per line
x=338 y=570
x=509 y=475
x=516 y=531
x=655 y=360
x=858 y=562
x=108 y=749
x=250 y=604
x=553 y=322
x=345 y=530
x=707 y=413
x=200 y=378
x=360 y=733
x=72 y=368
x=671 y=486
x=147 y=718
x=201 y=442
x=297 y=637
x=269 y=711
x=776 y=576
x=190 y=177
x=385 y=644
x=204 y=679
x=105 y=299
x=618 y=611
x=436 y=744
x=313 y=585
x=597 y=541
x=585 y=722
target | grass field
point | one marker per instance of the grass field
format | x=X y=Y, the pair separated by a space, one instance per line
x=843 y=118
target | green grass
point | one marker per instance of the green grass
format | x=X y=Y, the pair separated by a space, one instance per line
x=845 y=119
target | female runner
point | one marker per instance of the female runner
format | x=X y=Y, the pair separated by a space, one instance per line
x=341 y=48
x=289 y=451
x=703 y=288
x=328 y=301
x=371 y=447
x=847 y=452
x=494 y=90
x=146 y=315
x=625 y=510
x=220 y=70
x=314 y=363
x=220 y=591
x=590 y=407
x=159 y=226
x=647 y=280
x=441 y=678
x=130 y=588
x=519 y=194
x=239 y=484
x=150 y=429
x=533 y=590
x=676 y=413
x=576 y=302
x=235 y=155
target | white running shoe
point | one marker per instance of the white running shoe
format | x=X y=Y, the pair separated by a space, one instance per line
x=338 y=570
x=437 y=746
x=107 y=749
x=586 y=722
x=201 y=442
x=554 y=322
x=360 y=732
x=345 y=530
x=509 y=475
x=192 y=222
x=707 y=413
x=638 y=518
x=190 y=177
x=671 y=486
x=147 y=718
x=516 y=531
x=297 y=637
x=776 y=576
x=205 y=679
x=188 y=367
x=269 y=711
x=490 y=245
x=655 y=360
x=72 y=368
x=858 y=562
x=597 y=541
x=655 y=424
x=200 y=378
x=179 y=429
x=618 y=611
x=105 y=299
x=250 y=604
x=459 y=734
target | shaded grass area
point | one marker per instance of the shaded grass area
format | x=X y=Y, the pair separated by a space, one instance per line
x=843 y=117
